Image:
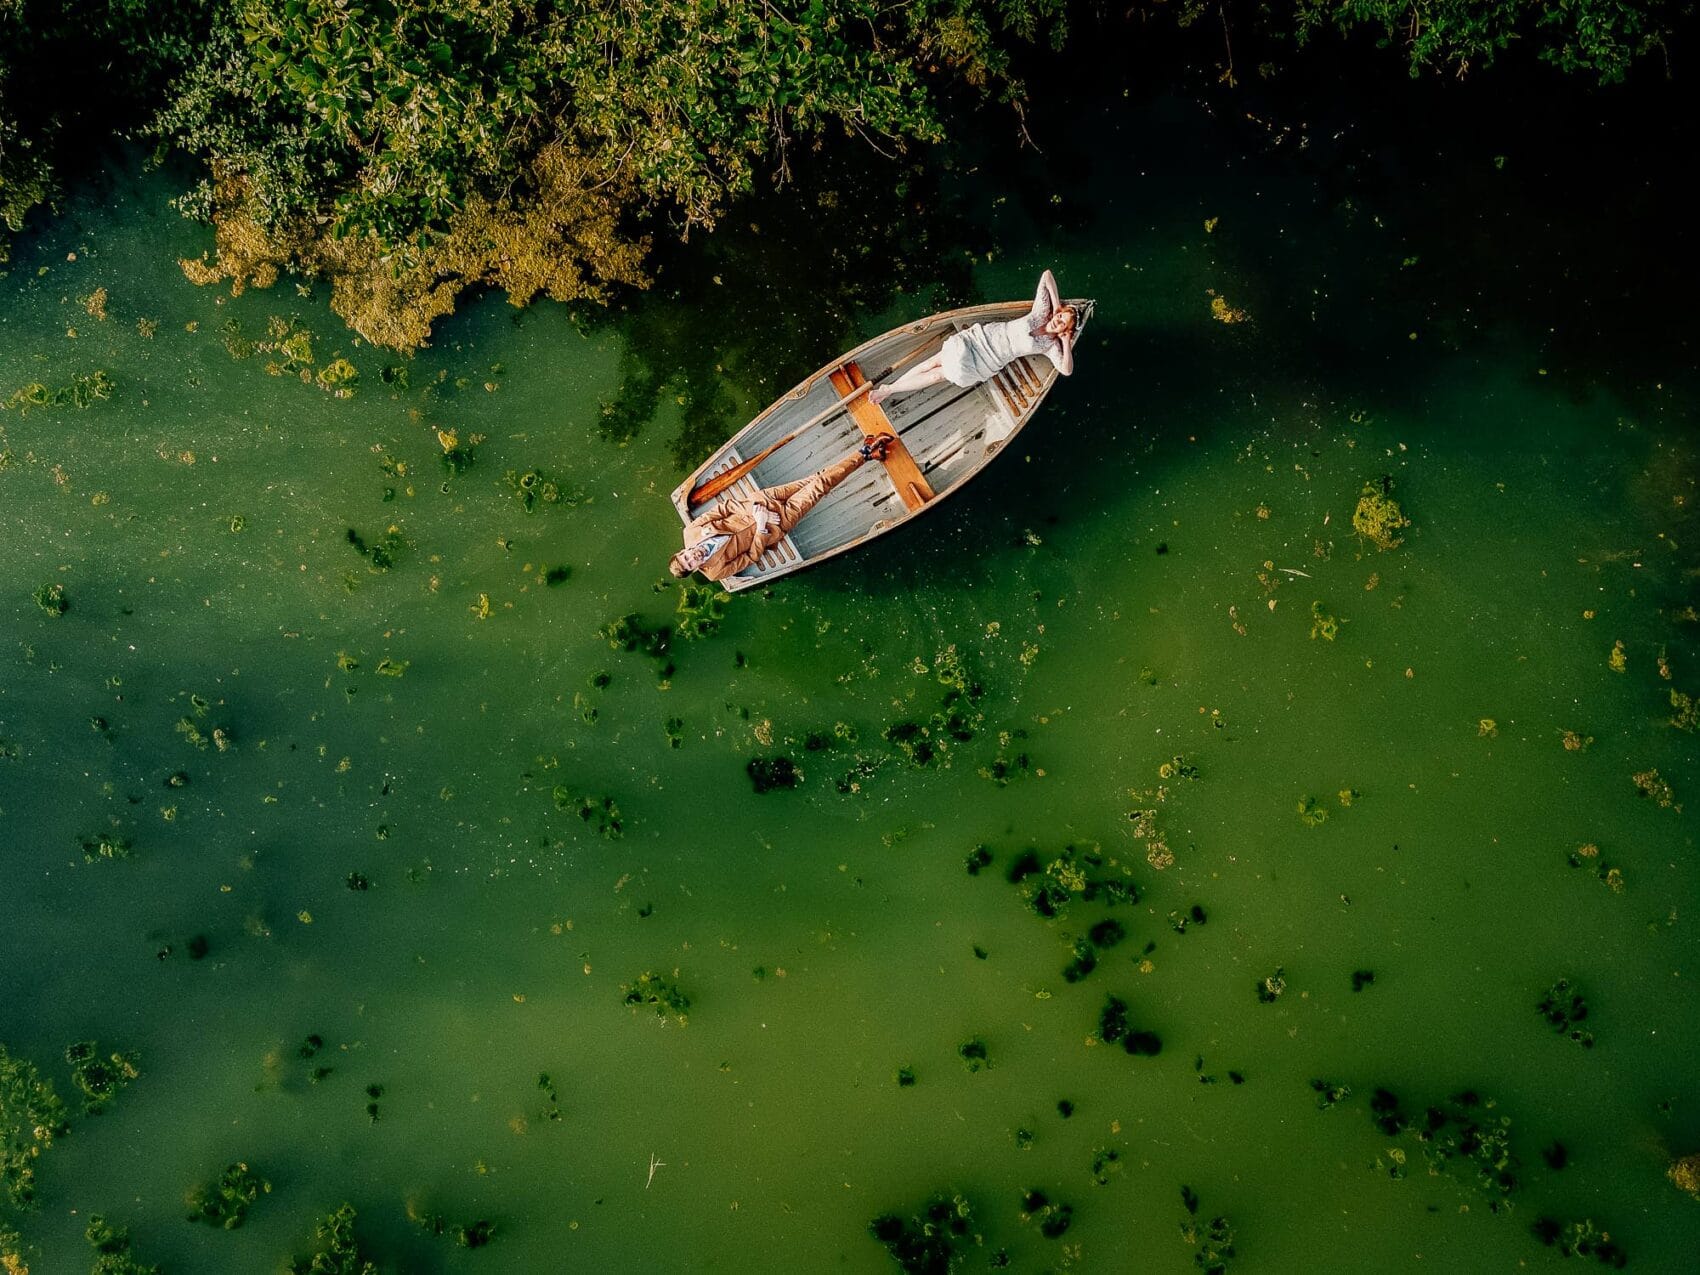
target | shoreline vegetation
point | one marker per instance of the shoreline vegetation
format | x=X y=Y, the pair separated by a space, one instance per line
x=409 y=153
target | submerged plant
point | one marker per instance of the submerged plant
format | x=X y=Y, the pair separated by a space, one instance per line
x=1212 y=1242
x=80 y=391
x=1581 y=1239
x=599 y=813
x=1312 y=811
x=1322 y=624
x=1077 y=873
x=32 y=1117
x=926 y=1244
x=1378 y=517
x=974 y=1054
x=1460 y=1135
x=336 y=1250
x=769 y=773
x=660 y=992
x=1053 y=1218
x=1564 y=1008
x=381 y=555
x=1328 y=1094
x=701 y=609
x=99 y=1078
x=105 y=845
x=534 y=486
x=1269 y=989
x=226 y=1202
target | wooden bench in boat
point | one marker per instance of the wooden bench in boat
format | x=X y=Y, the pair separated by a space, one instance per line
x=782 y=554
x=905 y=474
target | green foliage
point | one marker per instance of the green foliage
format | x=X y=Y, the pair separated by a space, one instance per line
x=112 y=1250
x=99 y=1078
x=336 y=1251
x=31 y=1118
x=928 y=1242
x=226 y=1202
x=1601 y=38
x=660 y=992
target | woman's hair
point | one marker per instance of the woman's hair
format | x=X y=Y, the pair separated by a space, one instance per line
x=1073 y=316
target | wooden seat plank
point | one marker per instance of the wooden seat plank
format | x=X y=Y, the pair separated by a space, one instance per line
x=905 y=474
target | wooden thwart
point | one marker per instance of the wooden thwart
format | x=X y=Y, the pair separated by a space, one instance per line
x=905 y=474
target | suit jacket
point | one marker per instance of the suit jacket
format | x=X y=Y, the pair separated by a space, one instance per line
x=736 y=519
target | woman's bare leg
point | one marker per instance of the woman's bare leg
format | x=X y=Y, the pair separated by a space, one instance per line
x=916 y=378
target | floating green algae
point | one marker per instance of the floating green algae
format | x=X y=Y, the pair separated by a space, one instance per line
x=931 y=1241
x=32 y=1118
x=336 y=1250
x=51 y=599
x=660 y=992
x=1378 y=517
x=82 y=390
x=111 y=1245
x=225 y=1202
x=99 y=1077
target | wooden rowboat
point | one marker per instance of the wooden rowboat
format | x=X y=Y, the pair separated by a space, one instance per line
x=940 y=438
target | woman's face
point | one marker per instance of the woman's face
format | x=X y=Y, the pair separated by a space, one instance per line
x=1061 y=323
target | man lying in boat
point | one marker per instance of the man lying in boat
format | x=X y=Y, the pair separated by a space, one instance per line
x=728 y=536
x=980 y=352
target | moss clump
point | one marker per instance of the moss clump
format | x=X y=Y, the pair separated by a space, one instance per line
x=1618 y=660
x=1651 y=785
x=1362 y=979
x=660 y=992
x=770 y=773
x=630 y=633
x=111 y=1245
x=336 y=1252
x=1684 y=714
x=32 y=1117
x=1581 y=1239
x=905 y=1077
x=51 y=599
x=1269 y=989
x=1378 y=517
x=1312 y=811
x=470 y=1235
x=225 y=1203
x=99 y=1078
x=974 y=1054
x=927 y=1243
x=105 y=845
x=979 y=858
x=1053 y=1218
x=1322 y=624
x=1564 y=1008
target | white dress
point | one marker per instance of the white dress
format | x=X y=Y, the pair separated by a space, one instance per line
x=980 y=352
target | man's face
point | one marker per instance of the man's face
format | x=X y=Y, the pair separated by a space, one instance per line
x=690 y=559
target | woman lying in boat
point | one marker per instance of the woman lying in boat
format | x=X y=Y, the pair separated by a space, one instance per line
x=979 y=353
x=727 y=537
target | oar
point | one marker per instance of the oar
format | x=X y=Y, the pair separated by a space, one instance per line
x=720 y=482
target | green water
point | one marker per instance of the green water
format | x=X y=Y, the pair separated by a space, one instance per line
x=1101 y=585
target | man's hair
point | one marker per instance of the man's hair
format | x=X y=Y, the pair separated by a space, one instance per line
x=677 y=567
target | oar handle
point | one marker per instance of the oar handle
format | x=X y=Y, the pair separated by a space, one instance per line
x=708 y=490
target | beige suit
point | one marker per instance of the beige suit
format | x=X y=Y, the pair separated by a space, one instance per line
x=754 y=524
